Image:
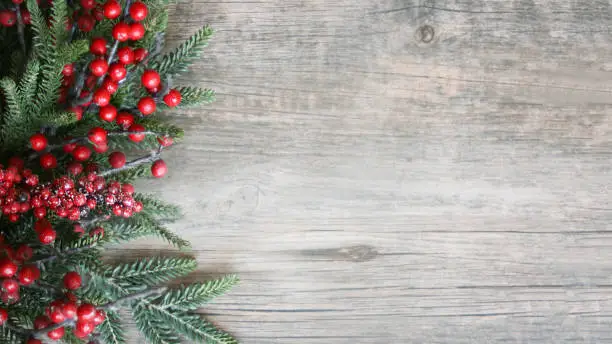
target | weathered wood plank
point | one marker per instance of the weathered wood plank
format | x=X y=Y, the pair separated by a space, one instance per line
x=399 y=171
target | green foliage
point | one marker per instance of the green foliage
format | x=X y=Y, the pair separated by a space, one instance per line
x=30 y=84
x=178 y=60
x=193 y=296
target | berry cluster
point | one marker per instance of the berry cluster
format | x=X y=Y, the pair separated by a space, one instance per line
x=8 y=17
x=15 y=271
x=61 y=313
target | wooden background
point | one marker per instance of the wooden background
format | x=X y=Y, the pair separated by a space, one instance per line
x=401 y=171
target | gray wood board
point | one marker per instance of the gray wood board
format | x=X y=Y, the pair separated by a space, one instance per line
x=394 y=171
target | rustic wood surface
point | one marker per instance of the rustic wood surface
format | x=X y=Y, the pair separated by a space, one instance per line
x=397 y=171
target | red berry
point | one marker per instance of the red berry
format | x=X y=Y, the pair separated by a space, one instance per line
x=137 y=31
x=28 y=274
x=10 y=285
x=127 y=189
x=77 y=111
x=74 y=168
x=69 y=309
x=117 y=71
x=3 y=316
x=146 y=105
x=140 y=54
x=101 y=97
x=136 y=128
x=68 y=69
x=7 y=268
x=8 y=18
x=98 y=67
x=112 y=9
x=110 y=86
x=56 y=315
x=56 y=334
x=165 y=141
x=124 y=120
x=81 y=153
x=41 y=322
x=86 y=312
x=159 y=168
x=88 y=4
x=34 y=341
x=116 y=159
x=24 y=252
x=98 y=13
x=108 y=113
x=99 y=318
x=172 y=98
x=97 y=135
x=26 y=16
x=150 y=78
x=121 y=31
x=83 y=328
x=40 y=212
x=100 y=147
x=138 y=11
x=72 y=280
x=17 y=2
x=86 y=23
x=69 y=147
x=48 y=161
x=47 y=236
x=125 y=55
x=38 y=142
x=98 y=231
x=98 y=46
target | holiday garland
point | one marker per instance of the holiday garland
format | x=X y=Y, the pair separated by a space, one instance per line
x=81 y=88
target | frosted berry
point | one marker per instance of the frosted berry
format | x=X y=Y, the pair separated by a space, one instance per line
x=138 y=11
x=98 y=46
x=101 y=97
x=117 y=71
x=26 y=16
x=56 y=334
x=150 y=79
x=110 y=86
x=121 y=31
x=159 y=168
x=146 y=105
x=124 y=120
x=127 y=189
x=172 y=98
x=72 y=280
x=38 y=142
x=7 y=268
x=7 y=18
x=116 y=159
x=112 y=9
x=28 y=274
x=140 y=54
x=83 y=328
x=86 y=23
x=97 y=135
x=125 y=55
x=88 y=4
x=74 y=168
x=98 y=67
x=108 y=113
x=86 y=312
x=137 y=31
x=47 y=236
x=48 y=161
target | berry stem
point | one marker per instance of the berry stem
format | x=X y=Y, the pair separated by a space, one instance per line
x=134 y=163
x=61 y=254
x=20 y=33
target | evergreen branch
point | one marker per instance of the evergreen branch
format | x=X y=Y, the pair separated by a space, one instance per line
x=193 y=296
x=111 y=331
x=151 y=271
x=26 y=88
x=156 y=208
x=114 y=305
x=178 y=60
x=13 y=113
x=196 y=96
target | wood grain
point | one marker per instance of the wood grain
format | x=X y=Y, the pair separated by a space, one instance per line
x=396 y=171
